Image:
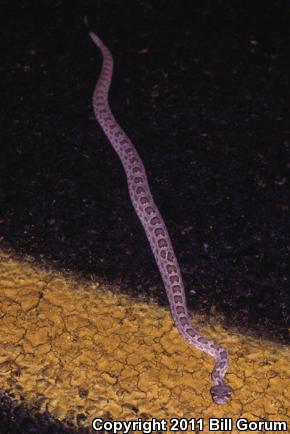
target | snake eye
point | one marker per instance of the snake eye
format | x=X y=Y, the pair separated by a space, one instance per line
x=221 y=393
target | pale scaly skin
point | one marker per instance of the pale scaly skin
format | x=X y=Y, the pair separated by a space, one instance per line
x=154 y=227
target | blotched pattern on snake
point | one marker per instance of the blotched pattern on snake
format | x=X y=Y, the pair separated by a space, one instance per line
x=154 y=226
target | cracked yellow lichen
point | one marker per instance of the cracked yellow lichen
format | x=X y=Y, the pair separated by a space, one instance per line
x=77 y=348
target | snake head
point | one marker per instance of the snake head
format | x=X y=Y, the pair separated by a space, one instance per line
x=221 y=393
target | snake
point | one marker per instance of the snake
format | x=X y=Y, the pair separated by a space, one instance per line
x=154 y=226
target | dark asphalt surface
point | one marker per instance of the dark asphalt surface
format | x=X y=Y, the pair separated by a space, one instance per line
x=202 y=89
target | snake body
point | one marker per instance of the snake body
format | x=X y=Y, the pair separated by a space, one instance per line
x=154 y=226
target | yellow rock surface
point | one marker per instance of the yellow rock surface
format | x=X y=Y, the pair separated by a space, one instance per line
x=75 y=348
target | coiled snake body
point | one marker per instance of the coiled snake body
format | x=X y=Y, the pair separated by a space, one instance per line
x=154 y=226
